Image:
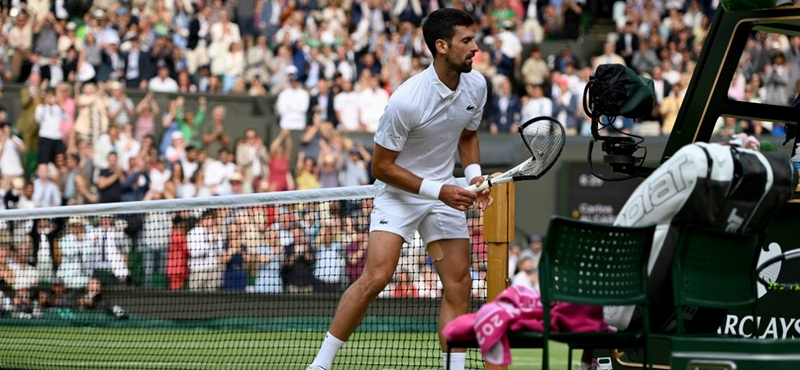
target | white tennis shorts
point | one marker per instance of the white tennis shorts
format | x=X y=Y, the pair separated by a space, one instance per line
x=402 y=213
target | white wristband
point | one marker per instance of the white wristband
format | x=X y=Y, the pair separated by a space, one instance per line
x=472 y=171
x=430 y=189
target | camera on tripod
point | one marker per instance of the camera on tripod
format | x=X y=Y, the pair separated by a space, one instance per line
x=613 y=91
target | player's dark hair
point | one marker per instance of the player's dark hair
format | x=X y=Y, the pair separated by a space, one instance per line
x=441 y=24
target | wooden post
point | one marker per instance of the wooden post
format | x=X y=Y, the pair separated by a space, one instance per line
x=498 y=232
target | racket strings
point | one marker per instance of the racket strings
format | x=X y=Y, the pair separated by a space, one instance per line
x=544 y=140
x=771 y=272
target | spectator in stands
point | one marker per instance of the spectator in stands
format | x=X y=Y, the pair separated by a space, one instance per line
x=373 y=101
x=24 y=266
x=31 y=96
x=163 y=82
x=20 y=39
x=177 y=267
x=58 y=296
x=46 y=193
x=48 y=116
x=93 y=298
x=107 y=143
x=567 y=107
x=222 y=34
x=11 y=150
x=213 y=133
x=234 y=257
x=110 y=179
x=176 y=152
x=565 y=58
x=506 y=110
x=270 y=260
x=354 y=169
x=84 y=193
x=218 y=172
x=204 y=249
x=137 y=64
x=137 y=181
x=66 y=183
x=534 y=69
x=280 y=175
x=535 y=104
x=329 y=267
x=92 y=120
x=189 y=122
x=428 y=283
x=146 y=112
x=514 y=251
x=356 y=256
x=21 y=199
x=128 y=145
x=293 y=102
x=670 y=107
x=109 y=257
x=258 y=59
x=528 y=274
x=346 y=104
x=75 y=247
x=253 y=157
x=298 y=275
x=196 y=186
x=779 y=81
x=627 y=43
x=329 y=171
x=608 y=57
x=120 y=107
x=6 y=274
x=404 y=286
x=67 y=104
x=645 y=59
x=307 y=173
x=44 y=248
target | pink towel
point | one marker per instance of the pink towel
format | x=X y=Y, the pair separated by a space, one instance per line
x=519 y=308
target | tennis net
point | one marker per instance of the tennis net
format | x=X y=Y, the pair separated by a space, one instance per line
x=232 y=282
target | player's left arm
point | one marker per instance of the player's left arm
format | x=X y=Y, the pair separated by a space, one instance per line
x=470 y=153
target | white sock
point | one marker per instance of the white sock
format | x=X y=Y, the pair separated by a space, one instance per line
x=457 y=360
x=330 y=346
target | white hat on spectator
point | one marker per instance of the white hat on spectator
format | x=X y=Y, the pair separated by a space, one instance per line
x=113 y=85
x=76 y=221
x=176 y=135
x=98 y=14
x=237 y=177
x=71 y=26
x=291 y=70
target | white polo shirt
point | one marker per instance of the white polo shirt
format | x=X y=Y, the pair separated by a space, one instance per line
x=424 y=120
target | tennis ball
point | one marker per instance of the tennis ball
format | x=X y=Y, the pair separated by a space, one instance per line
x=743 y=5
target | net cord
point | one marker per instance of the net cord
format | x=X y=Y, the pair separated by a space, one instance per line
x=168 y=205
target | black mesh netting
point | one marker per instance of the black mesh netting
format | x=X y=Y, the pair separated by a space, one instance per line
x=250 y=285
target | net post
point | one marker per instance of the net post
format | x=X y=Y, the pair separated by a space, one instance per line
x=498 y=232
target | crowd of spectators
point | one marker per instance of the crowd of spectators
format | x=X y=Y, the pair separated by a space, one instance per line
x=332 y=65
x=313 y=247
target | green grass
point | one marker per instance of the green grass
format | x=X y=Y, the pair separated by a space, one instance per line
x=29 y=347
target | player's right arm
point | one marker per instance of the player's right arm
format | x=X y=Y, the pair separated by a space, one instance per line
x=385 y=168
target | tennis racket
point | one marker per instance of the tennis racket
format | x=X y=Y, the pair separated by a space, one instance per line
x=769 y=272
x=544 y=138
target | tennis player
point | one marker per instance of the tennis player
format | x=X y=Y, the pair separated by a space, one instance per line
x=428 y=118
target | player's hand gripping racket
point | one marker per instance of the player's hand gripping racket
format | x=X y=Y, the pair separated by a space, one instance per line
x=544 y=137
x=769 y=272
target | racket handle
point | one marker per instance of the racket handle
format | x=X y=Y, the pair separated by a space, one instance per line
x=474 y=188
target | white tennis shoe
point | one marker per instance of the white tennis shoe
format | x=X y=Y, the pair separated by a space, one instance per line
x=316 y=367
